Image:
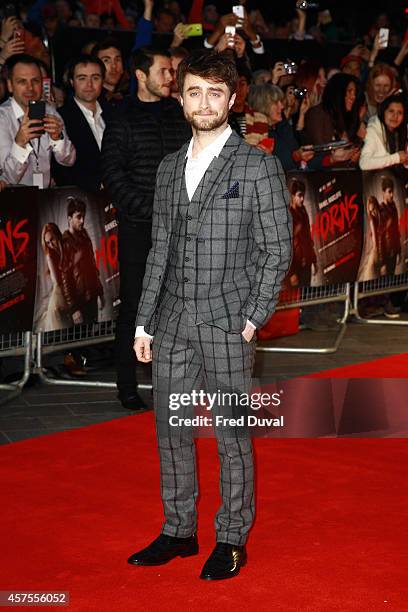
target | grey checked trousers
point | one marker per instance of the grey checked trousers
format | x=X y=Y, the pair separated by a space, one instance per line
x=189 y=357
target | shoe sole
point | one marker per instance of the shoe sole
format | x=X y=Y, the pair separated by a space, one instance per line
x=183 y=555
x=210 y=578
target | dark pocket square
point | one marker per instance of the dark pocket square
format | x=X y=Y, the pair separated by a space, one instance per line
x=233 y=192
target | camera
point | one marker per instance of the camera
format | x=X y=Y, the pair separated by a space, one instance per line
x=300 y=92
x=290 y=67
x=304 y=5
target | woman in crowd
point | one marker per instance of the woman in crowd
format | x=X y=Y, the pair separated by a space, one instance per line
x=386 y=139
x=57 y=315
x=384 y=146
x=337 y=117
x=295 y=107
x=381 y=82
x=270 y=130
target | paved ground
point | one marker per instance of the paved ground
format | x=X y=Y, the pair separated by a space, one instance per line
x=42 y=409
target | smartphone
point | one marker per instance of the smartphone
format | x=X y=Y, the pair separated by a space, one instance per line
x=230 y=31
x=383 y=36
x=36 y=110
x=238 y=10
x=193 y=29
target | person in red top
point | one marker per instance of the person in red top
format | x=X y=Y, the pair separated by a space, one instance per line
x=107 y=6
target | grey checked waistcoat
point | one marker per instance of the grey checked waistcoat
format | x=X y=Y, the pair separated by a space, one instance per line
x=183 y=277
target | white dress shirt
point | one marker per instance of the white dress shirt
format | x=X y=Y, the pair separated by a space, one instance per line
x=95 y=121
x=196 y=167
x=20 y=164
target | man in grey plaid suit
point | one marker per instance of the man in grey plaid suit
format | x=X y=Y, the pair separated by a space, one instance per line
x=221 y=248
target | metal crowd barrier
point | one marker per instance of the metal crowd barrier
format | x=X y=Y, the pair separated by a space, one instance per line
x=14 y=345
x=68 y=339
x=34 y=346
x=378 y=286
x=310 y=296
x=72 y=338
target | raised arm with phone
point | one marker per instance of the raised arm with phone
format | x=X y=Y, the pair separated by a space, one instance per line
x=30 y=130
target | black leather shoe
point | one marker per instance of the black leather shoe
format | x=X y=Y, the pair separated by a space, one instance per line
x=164 y=549
x=224 y=562
x=132 y=401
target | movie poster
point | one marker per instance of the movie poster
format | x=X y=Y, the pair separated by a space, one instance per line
x=77 y=278
x=385 y=251
x=18 y=261
x=326 y=209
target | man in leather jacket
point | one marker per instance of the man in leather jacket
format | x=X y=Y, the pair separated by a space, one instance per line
x=149 y=126
x=80 y=277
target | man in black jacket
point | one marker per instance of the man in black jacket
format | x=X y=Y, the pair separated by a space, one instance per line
x=150 y=126
x=85 y=123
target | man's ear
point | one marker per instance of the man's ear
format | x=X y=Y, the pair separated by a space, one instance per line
x=232 y=100
x=140 y=75
x=9 y=86
x=181 y=101
x=71 y=82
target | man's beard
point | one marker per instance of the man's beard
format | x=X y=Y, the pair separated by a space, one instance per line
x=206 y=124
x=156 y=90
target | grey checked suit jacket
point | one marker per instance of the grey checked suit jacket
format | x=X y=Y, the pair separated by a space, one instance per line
x=243 y=241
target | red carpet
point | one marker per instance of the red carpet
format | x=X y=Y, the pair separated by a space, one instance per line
x=330 y=532
x=395 y=366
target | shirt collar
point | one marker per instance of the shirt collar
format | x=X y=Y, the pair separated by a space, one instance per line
x=18 y=111
x=87 y=112
x=213 y=149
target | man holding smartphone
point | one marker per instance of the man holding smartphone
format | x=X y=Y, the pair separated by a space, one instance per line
x=26 y=144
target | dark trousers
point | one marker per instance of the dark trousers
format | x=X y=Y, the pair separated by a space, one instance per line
x=134 y=246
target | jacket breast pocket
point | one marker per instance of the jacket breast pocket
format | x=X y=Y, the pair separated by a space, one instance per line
x=228 y=203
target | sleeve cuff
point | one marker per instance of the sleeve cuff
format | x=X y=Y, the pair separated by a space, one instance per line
x=140 y=333
x=251 y=324
x=21 y=153
x=57 y=145
x=207 y=45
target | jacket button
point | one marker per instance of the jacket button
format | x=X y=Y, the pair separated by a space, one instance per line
x=186 y=259
x=188 y=238
x=185 y=279
x=189 y=217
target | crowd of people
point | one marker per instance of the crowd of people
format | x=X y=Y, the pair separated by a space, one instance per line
x=109 y=119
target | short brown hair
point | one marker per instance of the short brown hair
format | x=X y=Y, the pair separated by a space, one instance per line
x=210 y=65
x=387 y=183
x=75 y=205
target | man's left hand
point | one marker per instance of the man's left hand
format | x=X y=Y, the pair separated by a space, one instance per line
x=53 y=126
x=248 y=332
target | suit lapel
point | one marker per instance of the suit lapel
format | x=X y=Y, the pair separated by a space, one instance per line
x=219 y=167
x=84 y=129
x=177 y=179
